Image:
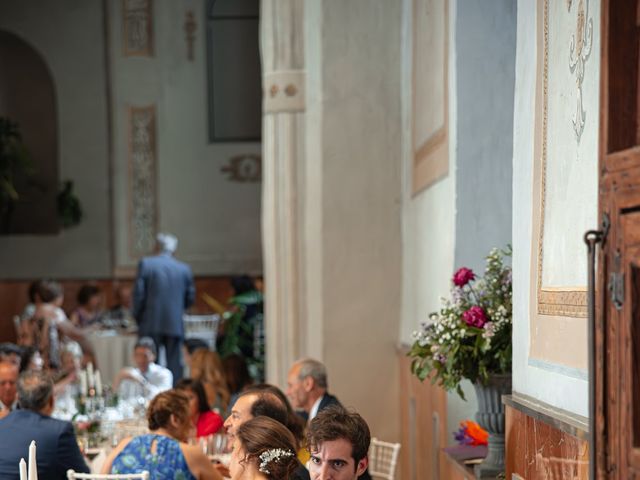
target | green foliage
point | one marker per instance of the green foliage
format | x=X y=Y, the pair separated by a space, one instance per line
x=69 y=208
x=454 y=344
x=239 y=331
x=14 y=161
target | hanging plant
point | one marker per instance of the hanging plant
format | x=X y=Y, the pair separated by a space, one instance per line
x=69 y=207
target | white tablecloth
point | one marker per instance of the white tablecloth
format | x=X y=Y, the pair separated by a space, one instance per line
x=114 y=350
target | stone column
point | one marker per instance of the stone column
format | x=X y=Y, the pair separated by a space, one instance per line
x=282 y=52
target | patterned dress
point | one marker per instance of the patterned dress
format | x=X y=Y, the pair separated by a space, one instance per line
x=167 y=463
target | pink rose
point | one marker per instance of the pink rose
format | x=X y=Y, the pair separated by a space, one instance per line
x=475 y=317
x=463 y=276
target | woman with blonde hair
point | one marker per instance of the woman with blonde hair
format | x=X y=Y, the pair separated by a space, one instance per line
x=206 y=367
x=164 y=452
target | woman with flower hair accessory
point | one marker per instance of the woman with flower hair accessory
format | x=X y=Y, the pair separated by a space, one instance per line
x=263 y=449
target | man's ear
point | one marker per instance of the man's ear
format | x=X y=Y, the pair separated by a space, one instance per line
x=308 y=383
x=362 y=466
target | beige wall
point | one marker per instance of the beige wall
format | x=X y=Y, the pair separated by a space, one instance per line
x=69 y=36
x=216 y=220
x=351 y=231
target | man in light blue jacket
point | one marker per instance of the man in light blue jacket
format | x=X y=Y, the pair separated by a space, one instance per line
x=163 y=290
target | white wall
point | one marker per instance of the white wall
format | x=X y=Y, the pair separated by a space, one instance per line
x=69 y=36
x=552 y=384
x=428 y=219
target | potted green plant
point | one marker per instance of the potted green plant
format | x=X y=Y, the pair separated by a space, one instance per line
x=470 y=338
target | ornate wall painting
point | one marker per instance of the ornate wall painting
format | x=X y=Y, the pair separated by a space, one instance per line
x=565 y=176
x=142 y=163
x=137 y=21
x=580 y=51
x=430 y=92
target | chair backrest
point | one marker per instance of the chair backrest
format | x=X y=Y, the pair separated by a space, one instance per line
x=72 y=475
x=383 y=457
x=204 y=327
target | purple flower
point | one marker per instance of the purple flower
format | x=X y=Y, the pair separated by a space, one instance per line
x=475 y=317
x=463 y=276
x=462 y=437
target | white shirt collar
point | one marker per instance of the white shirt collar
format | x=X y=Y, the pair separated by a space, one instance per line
x=11 y=408
x=314 y=409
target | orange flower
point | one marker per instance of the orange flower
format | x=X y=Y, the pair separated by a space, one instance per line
x=478 y=435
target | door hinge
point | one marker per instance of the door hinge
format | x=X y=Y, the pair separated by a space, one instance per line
x=616 y=282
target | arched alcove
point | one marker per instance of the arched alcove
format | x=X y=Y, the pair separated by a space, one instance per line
x=27 y=96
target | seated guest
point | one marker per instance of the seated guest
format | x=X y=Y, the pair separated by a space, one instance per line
x=49 y=326
x=339 y=444
x=207 y=368
x=262 y=400
x=119 y=315
x=236 y=374
x=147 y=378
x=31 y=359
x=10 y=352
x=66 y=387
x=307 y=387
x=164 y=453
x=206 y=421
x=57 y=445
x=8 y=392
x=86 y=313
x=189 y=346
x=263 y=450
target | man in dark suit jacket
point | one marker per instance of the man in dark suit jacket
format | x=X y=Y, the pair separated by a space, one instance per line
x=57 y=447
x=163 y=290
x=307 y=390
x=307 y=387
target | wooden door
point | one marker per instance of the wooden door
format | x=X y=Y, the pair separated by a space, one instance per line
x=617 y=401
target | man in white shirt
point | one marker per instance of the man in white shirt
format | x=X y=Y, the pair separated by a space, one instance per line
x=147 y=378
x=8 y=394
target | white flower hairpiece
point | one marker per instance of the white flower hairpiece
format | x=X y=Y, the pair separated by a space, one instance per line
x=270 y=455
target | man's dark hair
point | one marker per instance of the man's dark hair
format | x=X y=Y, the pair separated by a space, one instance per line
x=34 y=390
x=193 y=344
x=268 y=405
x=8 y=348
x=148 y=343
x=335 y=423
x=294 y=422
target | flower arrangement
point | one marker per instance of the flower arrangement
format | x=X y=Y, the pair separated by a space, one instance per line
x=471 y=433
x=470 y=337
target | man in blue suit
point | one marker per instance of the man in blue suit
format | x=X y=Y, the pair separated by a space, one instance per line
x=163 y=290
x=56 y=444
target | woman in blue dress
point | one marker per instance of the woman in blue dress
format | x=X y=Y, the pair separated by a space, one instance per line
x=164 y=452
